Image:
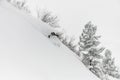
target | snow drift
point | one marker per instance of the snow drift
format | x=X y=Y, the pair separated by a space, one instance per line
x=27 y=54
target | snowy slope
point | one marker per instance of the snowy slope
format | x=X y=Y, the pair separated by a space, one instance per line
x=26 y=54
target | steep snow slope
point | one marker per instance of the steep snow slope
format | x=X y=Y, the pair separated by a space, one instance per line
x=26 y=54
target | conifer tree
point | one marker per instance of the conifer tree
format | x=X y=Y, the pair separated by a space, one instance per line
x=88 y=38
x=101 y=66
x=88 y=45
x=108 y=65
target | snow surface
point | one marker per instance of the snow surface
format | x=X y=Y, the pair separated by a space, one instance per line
x=26 y=54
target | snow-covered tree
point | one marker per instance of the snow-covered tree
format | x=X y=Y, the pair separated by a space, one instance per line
x=47 y=17
x=91 y=58
x=88 y=43
x=88 y=38
x=69 y=42
x=108 y=65
x=101 y=66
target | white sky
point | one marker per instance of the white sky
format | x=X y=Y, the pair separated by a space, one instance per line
x=74 y=14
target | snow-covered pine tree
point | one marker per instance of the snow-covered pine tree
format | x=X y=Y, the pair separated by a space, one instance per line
x=88 y=42
x=101 y=66
x=88 y=38
x=108 y=65
x=88 y=47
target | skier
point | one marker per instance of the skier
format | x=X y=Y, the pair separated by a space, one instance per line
x=53 y=34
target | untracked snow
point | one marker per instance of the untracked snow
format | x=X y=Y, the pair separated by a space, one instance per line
x=27 y=54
